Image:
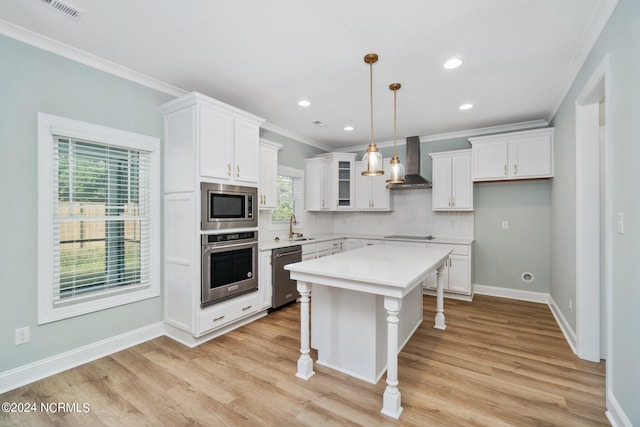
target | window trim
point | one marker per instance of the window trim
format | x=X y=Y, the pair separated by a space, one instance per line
x=48 y=125
x=296 y=173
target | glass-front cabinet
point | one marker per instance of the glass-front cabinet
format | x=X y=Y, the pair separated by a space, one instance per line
x=335 y=181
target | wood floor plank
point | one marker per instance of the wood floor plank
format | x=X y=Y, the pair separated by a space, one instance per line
x=499 y=363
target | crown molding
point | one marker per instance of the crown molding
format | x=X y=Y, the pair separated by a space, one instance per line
x=589 y=38
x=512 y=127
x=292 y=135
x=50 y=45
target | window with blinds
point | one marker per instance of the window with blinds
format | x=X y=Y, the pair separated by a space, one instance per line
x=290 y=199
x=101 y=219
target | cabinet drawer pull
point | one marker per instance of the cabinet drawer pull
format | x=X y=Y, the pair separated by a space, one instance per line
x=218 y=318
x=247 y=307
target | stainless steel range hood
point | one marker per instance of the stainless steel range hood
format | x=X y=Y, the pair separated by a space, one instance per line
x=412 y=167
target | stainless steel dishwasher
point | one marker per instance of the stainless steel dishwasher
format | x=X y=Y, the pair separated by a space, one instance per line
x=284 y=289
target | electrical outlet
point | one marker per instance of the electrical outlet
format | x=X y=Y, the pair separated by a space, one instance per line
x=505 y=225
x=22 y=335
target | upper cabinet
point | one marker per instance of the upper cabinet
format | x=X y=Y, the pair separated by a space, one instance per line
x=268 y=188
x=316 y=190
x=452 y=184
x=516 y=155
x=207 y=140
x=330 y=182
x=372 y=193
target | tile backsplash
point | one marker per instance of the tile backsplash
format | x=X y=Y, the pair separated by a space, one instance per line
x=412 y=215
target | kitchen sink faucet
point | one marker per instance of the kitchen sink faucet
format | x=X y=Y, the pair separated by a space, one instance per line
x=292 y=220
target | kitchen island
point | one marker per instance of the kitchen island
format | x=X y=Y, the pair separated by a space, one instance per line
x=353 y=293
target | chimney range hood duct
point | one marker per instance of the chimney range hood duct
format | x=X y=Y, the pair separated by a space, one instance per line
x=412 y=171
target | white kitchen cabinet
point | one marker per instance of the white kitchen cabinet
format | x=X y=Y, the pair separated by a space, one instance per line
x=316 y=184
x=516 y=155
x=265 y=288
x=330 y=182
x=225 y=312
x=452 y=184
x=205 y=140
x=456 y=274
x=216 y=139
x=268 y=187
x=372 y=193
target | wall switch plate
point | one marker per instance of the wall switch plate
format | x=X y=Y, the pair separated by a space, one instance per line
x=505 y=225
x=620 y=222
x=22 y=335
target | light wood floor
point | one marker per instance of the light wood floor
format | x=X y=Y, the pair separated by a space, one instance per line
x=500 y=362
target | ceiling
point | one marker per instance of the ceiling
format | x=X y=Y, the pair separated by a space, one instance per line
x=519 y=57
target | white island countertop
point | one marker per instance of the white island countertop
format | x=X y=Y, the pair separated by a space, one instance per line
x=392 y=270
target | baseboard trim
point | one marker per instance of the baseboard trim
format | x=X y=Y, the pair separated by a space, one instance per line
x=615 y=414
x=40 y=369
x=566 y=329
x=518 y=294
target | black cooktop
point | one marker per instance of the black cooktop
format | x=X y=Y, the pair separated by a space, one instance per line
x=400 y=236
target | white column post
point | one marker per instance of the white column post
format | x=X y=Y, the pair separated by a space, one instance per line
x=305 y=363
x=391 y=402
x=439 y=321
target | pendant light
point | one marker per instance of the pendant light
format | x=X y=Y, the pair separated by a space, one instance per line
x=397 y=169
x=372 y=160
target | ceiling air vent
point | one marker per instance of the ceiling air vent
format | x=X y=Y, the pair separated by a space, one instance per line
x=64 y=8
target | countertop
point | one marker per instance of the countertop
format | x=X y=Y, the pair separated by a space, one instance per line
x=396 y=267
x=267 y=245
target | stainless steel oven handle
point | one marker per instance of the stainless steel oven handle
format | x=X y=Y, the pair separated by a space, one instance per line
x=213 y=247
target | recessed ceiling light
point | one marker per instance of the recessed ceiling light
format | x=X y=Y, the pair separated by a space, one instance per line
x=348 y=128
x=304 y=103
x=466 y=107
x=452 y=63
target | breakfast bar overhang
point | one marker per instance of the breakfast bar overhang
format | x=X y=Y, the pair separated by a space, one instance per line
x=350 y=286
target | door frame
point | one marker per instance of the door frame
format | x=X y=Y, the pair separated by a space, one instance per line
x=588 y=221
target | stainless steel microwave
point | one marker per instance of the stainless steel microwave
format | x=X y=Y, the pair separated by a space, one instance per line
x=228 y=206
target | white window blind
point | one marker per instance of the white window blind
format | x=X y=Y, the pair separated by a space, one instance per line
x=101 y=219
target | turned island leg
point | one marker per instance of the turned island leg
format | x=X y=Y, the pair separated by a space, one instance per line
x=305 y=363
x=439 y=322
x=391 y=399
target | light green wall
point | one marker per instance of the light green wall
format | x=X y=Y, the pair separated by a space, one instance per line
x=32 y=81
x=621 y=40
x=501 y=256
x=292 y=153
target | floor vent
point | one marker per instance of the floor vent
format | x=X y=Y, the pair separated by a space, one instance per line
x=64 y=8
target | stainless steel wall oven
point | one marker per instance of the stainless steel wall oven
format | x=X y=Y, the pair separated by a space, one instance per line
x=229 y=265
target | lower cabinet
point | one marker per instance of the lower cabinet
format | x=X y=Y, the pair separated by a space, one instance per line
x=225 y=312
x=455 y=276
x=265 y=289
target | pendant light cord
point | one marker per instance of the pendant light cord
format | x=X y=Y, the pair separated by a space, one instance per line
x=371 y=98
x=395 y=154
